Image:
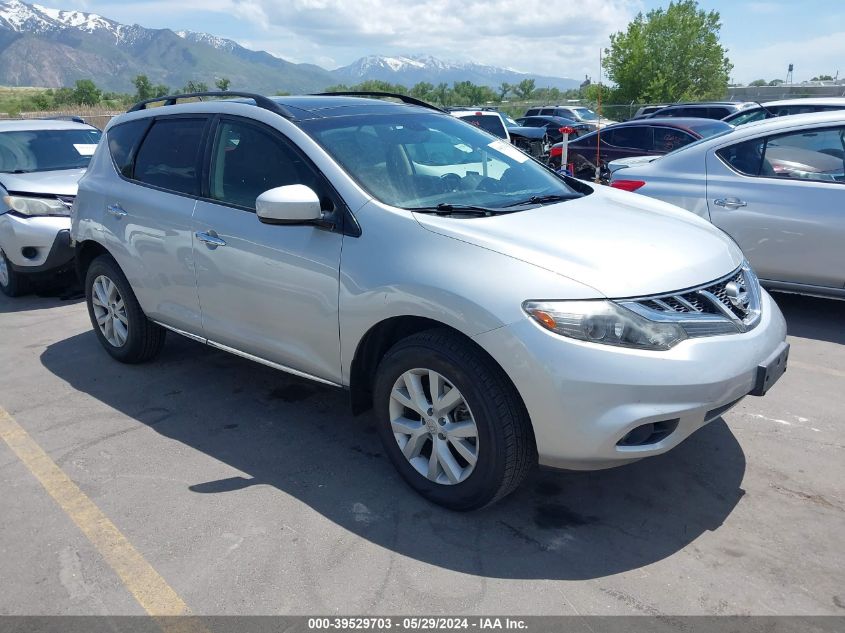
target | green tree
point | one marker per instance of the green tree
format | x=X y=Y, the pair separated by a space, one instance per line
x=524 y=88
x=143 y=88
x=670 y=54
x=822 y=78
x=759 y=82
x=423 y=90
x=222 y=83
x=86 y=93
x=195 y=86
x=504 y=89
x=776 y=82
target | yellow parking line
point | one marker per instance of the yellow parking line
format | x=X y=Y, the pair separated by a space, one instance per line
x=150 y=590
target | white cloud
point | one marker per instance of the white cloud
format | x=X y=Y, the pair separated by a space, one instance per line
x=528 y=35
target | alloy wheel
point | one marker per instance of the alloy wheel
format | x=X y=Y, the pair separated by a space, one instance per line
x=110 y=311
x=434 y=427
x=4 y=269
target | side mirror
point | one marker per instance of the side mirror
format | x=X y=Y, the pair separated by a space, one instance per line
x=291 y=204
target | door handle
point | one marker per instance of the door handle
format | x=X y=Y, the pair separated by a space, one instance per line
x=730 y=203
x=210 y=239
x=116 y=210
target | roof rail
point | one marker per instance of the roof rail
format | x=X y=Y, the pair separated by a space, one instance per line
x=260 y=100
x=374 y=93
x=64 y=117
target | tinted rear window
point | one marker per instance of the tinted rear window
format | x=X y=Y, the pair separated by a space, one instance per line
x=492 y=124
x=169 y=155
x=123 y=143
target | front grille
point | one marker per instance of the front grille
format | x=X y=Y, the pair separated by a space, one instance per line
x=695 y=302
x=728 y=305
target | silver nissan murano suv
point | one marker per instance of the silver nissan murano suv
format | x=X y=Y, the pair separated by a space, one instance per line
x=493 y=313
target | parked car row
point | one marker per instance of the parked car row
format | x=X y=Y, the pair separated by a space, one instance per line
x=641 y=137
x=493 y=314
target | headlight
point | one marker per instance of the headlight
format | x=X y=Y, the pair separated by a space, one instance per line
x=36 y=206
x=604 y=322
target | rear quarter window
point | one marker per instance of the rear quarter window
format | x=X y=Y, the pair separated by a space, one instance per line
x=123 y=141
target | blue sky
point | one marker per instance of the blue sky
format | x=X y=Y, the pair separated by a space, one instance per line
x=553 y=38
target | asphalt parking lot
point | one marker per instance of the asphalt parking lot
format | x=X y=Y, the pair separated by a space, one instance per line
x=251 y=492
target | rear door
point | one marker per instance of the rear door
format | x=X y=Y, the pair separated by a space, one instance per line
x=626 y=141
x=270 y=291
x=148 y=213
x=782 y=198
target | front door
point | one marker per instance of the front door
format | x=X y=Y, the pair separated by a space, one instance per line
x=270 y=291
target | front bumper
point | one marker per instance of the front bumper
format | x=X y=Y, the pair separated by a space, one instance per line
x=36 y=244
x=583 y=398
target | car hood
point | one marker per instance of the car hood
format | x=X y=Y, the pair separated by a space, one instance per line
x=621 y=244
x=62 y=182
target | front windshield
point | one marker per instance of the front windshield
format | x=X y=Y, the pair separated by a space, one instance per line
x=585 y=114
x=46 y=150
x=424 y=160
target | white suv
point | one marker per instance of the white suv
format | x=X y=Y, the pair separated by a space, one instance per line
x=41 y=162
x=492 y=313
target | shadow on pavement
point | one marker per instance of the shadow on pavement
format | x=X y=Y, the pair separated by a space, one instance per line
x=810 y=317
x=300 y=438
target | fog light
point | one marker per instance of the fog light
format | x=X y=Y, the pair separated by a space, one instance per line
x=30 y=252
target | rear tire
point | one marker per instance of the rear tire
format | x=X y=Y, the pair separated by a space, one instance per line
x=118 y=321
x=473 y=467
x=12 y=283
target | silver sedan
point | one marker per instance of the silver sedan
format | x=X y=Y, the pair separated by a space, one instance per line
x=777 y=187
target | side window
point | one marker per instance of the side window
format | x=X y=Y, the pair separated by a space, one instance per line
x=746 y=158
x=247 y=160
x=169 y=156
x=669 y=139
x=123 y=143
x=717 y=113
x=817 y=154
x=634 y=136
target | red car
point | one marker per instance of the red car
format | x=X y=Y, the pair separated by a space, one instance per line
x=642 y=137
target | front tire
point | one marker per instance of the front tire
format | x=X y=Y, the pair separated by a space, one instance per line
x=451 y=422
x=12 y=283
x=118 y=321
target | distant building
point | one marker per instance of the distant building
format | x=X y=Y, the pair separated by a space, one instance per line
x=586 y=82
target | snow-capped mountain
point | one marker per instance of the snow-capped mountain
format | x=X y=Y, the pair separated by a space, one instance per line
x=35 y=19
x=43 y=46
x=220 y=43
x=411 y=69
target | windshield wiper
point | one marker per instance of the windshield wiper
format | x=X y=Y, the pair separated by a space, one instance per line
x=444 y=208
x=552 y=197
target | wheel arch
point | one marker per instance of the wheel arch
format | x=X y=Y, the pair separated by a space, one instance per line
x=85 y=253
x=379 y=339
